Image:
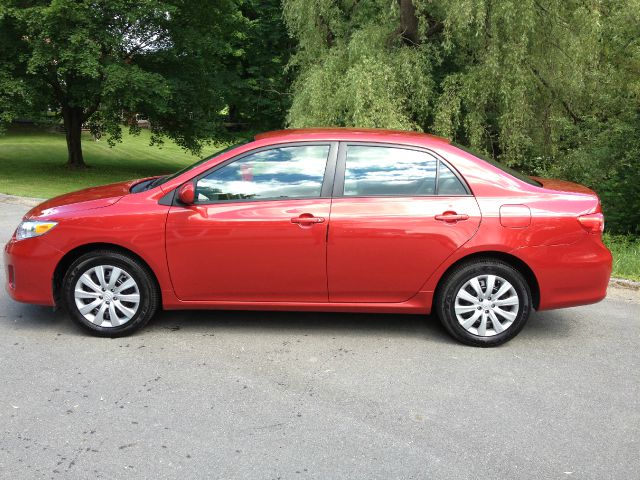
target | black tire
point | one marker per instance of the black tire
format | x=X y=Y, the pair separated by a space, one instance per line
x=454 y=282
x=149 y=298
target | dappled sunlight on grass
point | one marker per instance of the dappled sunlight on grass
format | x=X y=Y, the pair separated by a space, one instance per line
x=32 y=162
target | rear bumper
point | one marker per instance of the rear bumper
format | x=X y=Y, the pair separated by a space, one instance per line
x=29 y=265
x=570 y=275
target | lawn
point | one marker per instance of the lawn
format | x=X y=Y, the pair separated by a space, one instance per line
x=32 y=162
x=626 y=255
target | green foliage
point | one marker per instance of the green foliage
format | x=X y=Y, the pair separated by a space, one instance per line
x=260 y=95
x=549 y=86
x=95 y=61
x=352 y=69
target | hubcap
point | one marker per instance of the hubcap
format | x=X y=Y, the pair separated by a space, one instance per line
x=107 y=296
x=487 y=305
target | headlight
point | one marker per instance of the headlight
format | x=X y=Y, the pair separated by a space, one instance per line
x=32 y=228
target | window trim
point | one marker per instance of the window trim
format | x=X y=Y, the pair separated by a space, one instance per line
x=338 y=184
x=325 y=189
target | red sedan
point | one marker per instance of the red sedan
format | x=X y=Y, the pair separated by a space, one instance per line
x=319 y=219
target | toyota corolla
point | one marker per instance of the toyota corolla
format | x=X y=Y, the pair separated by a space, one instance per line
x=337 y=220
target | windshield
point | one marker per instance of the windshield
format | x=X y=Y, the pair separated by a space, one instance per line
x=504 y=168
x=166 y=178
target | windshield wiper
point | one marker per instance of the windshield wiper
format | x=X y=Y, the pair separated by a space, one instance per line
x=156 y=182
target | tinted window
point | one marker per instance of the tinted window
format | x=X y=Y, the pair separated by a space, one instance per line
x=448 y=183
x=388 y=171
x=286 y=172
x=504 y=168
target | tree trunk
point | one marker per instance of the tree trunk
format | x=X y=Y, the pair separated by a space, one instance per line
x=408 y=22
x=73 y=117
x=234 y=114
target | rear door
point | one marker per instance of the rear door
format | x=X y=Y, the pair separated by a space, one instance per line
x=257 y=231
x=398 y=212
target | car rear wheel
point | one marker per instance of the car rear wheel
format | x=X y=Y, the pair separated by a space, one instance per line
x=484 y=303
x=109 y=293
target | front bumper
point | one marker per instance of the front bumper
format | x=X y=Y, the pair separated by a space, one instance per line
x=570 y=275
x=29 y=267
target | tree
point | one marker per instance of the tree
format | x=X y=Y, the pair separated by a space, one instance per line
x=260 y=95
x=354 y=66
x=549 y=86
x=95 y=61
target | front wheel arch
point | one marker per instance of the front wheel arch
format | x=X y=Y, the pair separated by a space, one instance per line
x=512 y=260
x=72 y=255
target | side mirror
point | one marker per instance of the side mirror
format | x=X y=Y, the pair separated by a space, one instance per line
x=187 y=193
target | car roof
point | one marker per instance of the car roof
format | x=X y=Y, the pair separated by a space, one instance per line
x=362 y=134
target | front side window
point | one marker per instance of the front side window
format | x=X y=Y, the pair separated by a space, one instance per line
x=285 y=172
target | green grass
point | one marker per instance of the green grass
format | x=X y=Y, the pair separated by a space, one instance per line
x=32 y=162
x=626 y=255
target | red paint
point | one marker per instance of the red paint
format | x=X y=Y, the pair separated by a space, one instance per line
x=187 y=193
x=383 y=249
x=94 y=197
x=369 y=254
x=248 y=251
x=515 y=216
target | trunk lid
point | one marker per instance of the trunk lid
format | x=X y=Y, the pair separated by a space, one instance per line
x=564 y=186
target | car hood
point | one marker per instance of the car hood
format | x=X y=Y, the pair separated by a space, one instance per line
x=87 y=199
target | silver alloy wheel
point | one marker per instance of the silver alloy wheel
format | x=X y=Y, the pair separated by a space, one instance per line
x=487 y=305
x=107 y=296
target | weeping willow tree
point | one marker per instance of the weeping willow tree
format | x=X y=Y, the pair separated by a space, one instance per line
x=354 y=68
x=550 y=86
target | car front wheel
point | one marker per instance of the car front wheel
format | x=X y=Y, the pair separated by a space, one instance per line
x=109 y=293
x=484 y=303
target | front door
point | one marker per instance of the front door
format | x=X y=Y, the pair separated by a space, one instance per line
x=257 y=231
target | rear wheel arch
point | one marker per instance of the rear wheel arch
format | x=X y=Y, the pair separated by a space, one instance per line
x=72 y=255
x=511 y=260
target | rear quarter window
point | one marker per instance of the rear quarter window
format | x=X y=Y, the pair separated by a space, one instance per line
x=501 y=166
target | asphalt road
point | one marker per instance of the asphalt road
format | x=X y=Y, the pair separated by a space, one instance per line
x=327 y=396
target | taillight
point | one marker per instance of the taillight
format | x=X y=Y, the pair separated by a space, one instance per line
x=592 y=222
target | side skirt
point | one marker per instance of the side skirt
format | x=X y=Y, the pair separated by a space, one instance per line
x=419 y=304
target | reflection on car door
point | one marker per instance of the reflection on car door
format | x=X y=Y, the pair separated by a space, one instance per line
x=398 y=213
x=258 y=229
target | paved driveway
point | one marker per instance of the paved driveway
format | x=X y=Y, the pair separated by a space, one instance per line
x=328 y=396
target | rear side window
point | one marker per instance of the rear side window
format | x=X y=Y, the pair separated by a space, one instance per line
x=286 y=172
x=392 y=171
